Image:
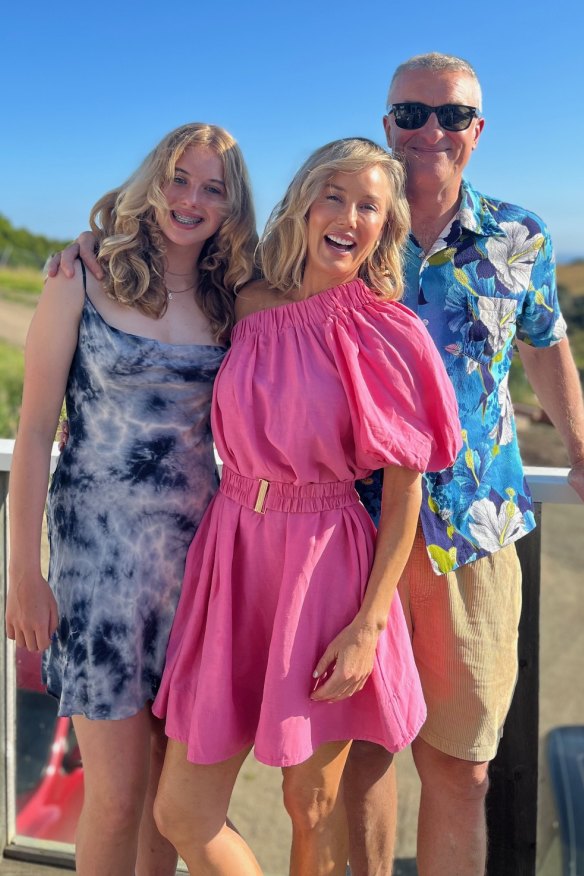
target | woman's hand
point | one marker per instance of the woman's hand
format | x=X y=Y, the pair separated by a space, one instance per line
x=31 y=612
x=83 y=247
x=63 y=435
x=353 y=653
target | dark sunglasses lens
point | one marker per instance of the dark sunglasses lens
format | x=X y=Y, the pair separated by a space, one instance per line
x=455 y=118
x=411 y=116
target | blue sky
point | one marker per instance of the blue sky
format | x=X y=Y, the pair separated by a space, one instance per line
x=89 y=88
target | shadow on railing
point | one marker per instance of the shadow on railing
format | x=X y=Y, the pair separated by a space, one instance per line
x=512 y=801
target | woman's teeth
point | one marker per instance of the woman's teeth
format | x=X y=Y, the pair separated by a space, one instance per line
x=344 y=243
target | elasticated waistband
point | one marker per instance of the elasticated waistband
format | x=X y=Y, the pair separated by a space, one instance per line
x=262 y=495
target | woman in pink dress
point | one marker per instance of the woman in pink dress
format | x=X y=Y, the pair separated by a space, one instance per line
x=286 y=584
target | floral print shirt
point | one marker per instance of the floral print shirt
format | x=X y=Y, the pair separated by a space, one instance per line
x=490 y=277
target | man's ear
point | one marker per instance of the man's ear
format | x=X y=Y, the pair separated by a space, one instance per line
x=387 y=129
x=480 y=124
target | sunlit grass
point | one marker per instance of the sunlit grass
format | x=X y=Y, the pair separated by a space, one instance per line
x=11 y=374
x=23 y=285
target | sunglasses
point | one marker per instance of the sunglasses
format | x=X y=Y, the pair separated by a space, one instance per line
x=451 y=116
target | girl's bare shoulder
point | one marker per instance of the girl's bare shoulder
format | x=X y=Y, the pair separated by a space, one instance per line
x=61 y=291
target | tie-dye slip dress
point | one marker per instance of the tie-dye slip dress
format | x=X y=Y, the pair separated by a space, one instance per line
x=128 y=493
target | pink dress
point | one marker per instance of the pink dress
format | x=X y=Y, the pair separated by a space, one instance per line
x=311 y=396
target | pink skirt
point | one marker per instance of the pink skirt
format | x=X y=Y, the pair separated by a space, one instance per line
x=269 y=582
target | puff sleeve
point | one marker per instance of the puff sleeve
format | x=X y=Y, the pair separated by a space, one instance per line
x=402 y=403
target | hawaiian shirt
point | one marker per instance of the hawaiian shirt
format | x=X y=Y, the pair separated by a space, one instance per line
x=490 y=277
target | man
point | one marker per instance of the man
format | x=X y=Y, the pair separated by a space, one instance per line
x=480 y=273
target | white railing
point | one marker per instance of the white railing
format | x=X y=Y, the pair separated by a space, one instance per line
x=547 y=484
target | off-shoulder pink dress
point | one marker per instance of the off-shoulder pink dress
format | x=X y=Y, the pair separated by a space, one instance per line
x=311 y=396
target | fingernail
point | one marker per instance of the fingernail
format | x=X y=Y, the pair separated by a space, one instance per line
x=315 y=674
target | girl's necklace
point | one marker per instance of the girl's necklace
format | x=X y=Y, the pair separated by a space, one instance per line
x=171 y=292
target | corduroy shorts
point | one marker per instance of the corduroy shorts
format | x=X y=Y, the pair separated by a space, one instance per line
x=463 y=627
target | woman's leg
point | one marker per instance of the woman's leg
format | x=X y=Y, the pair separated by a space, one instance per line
x=115 y=757
x=191 y=810
x=156 y=856
x=313 y=802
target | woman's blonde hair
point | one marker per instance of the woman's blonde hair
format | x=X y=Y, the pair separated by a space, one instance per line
x=131 y=245
x=283 y=247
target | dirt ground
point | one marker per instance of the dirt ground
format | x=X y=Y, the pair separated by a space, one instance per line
x=256 y=805
x=14 y=322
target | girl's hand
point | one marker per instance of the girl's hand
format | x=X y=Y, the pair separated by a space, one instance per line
x=31 y=613
x=353 y=653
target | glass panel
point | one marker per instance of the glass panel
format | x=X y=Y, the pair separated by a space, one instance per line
x=561 y=695
x=49 y=777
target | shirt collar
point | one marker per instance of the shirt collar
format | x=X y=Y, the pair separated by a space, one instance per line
x=473 y=215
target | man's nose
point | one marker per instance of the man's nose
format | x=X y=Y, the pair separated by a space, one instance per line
x=432 y=125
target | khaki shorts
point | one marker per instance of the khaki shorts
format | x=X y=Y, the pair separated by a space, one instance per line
x=463 y=627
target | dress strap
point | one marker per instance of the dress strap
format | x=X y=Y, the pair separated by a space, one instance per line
x=84 y=272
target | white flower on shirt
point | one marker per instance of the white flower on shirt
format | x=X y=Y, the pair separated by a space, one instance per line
x=492 y=529
x=513 y=255
x=498 y=315
x=502 y=432
x=560 y=328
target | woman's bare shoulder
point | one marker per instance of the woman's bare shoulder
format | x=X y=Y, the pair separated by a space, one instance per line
x=255 y=296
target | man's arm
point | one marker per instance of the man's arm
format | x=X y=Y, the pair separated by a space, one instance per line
x=553 y=375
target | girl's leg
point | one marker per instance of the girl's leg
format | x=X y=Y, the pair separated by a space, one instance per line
x=115 y=757
x=191 y=811
x=156 y=856
x=313 y=802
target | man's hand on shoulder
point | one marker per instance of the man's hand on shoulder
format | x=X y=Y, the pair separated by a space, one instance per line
x=64 y=261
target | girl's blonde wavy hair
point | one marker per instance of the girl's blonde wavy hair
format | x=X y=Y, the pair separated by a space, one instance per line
x=282 y=249
x=131 y=245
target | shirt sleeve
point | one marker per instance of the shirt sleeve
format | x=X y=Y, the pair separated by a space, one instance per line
x=402 y=403
x=540 y=322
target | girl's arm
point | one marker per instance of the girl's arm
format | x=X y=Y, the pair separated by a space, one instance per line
x=31 y=613
x=353 y=650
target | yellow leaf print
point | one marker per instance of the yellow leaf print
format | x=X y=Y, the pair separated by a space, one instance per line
x=444 y=560
x=442 y=257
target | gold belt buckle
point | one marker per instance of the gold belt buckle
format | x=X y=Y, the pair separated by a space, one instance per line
x=261 y=496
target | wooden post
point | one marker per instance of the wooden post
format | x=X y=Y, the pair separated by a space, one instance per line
x=512 y=799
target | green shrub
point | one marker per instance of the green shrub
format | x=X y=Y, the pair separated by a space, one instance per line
x=11 y=378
